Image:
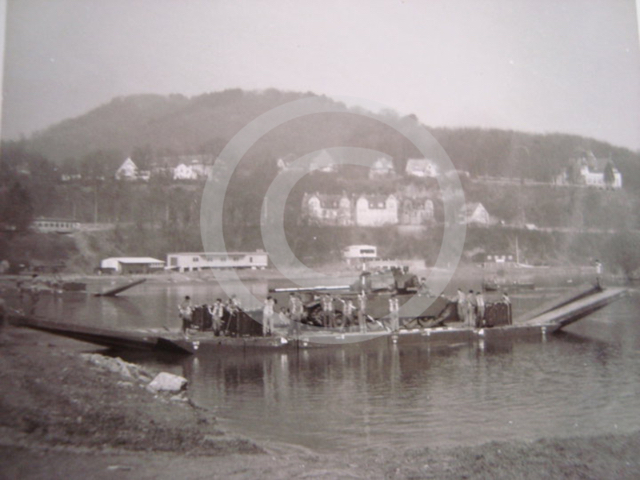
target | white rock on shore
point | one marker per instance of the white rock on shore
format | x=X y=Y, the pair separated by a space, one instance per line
x=167 y=382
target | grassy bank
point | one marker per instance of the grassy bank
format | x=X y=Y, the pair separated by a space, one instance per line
x=63 y=417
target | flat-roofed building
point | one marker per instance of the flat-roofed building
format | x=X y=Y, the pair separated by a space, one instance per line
x=193 y=261
x=354 y=254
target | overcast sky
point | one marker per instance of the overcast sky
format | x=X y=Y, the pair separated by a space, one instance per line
x=534 y=65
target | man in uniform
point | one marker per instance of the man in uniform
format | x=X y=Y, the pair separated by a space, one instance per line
x=394 y=313
x=217 y=311
x=184 y=312
x=362 y=311
x=267 y=316
x=327 y=311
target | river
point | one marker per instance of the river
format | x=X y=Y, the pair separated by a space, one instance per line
x=580 y=382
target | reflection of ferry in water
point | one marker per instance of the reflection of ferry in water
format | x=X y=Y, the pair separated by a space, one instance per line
x=495 y=283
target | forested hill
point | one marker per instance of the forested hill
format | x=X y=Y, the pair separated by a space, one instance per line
x=154 y=126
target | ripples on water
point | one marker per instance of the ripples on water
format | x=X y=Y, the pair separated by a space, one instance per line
x=581 y=382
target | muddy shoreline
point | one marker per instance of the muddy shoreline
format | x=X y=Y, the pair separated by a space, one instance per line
x=61 y=416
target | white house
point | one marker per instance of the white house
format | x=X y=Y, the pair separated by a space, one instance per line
x=127 y=171
x=421 y=168
x=376 y=210
x=416 y=211
x=328 y=209
x=597 y=178
x=586 y=169
x=185 y=172
x=475 y=213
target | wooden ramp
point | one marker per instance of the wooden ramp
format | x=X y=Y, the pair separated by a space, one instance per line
x=575 y=310
x=114 y=291
x=104 y=337
x=557 y=302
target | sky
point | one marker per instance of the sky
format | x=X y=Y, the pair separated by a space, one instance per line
x=569 y=66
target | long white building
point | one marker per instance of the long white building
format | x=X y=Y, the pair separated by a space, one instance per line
x=192 y=261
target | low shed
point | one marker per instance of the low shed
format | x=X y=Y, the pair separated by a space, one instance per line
x=131 y=264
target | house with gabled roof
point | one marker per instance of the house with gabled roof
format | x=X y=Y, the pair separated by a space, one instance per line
x=376 y=210
x=327 y=209
x=414 y=211
x=127 y=171
x=475 y=213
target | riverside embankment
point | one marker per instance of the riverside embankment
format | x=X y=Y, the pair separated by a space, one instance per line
x=62 y=416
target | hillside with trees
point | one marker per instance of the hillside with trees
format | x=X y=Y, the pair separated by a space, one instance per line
x=155 y=217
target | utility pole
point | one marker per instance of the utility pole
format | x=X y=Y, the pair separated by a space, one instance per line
x=95 y=202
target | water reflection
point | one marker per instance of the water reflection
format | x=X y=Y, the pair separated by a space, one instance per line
x=584 y=381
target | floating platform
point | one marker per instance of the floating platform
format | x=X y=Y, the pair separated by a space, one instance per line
x=546 y=319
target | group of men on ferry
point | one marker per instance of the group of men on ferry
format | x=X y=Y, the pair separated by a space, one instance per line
x=470 y=309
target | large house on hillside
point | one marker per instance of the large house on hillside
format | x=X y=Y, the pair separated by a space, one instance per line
x=376 y=210
x=586 y=169
x=365 y=210
x=416 y=212
x=328 y=209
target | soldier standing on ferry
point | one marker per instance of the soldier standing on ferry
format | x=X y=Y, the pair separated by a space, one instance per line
x=349 y=310
x=394 y=313
x=362 y=311
x=185 y=310
x=267 y=316
x=327 y=311
x=296 y=310
x=217 y=312
x=471 y=309
x=480 y=312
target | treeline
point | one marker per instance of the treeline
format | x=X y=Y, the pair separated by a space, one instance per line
x=152 y=127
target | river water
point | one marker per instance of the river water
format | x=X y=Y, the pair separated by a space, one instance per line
x=581 y=382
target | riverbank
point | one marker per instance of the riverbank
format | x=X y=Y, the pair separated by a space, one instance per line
x=62 y=416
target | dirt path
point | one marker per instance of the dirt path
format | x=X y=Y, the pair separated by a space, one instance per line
x=62 y=416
